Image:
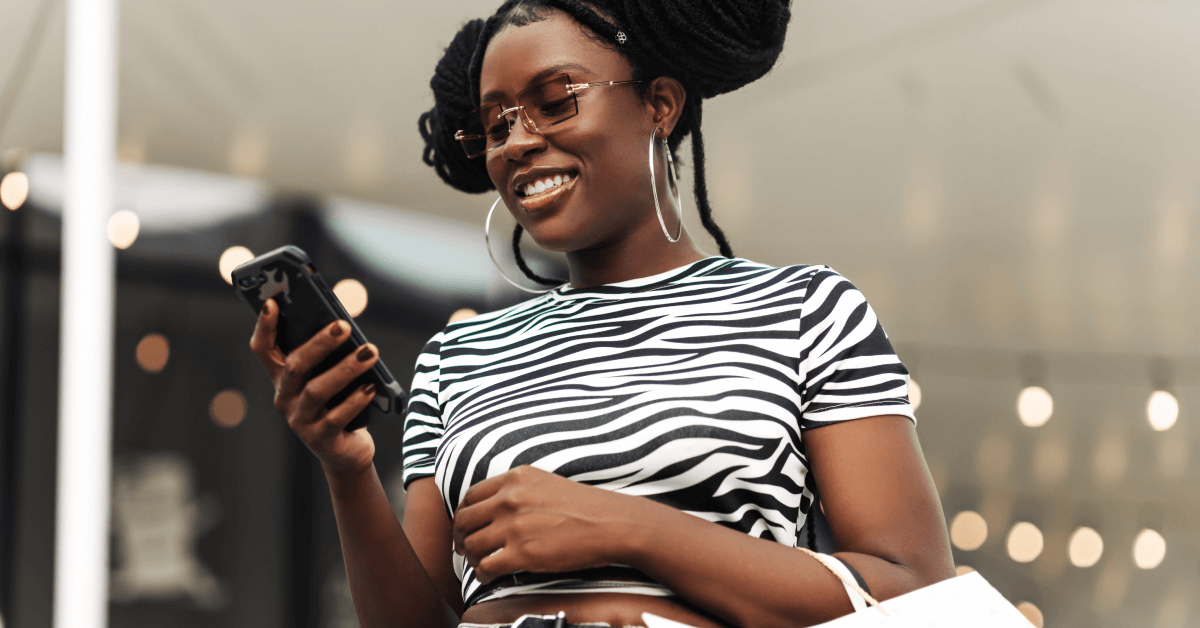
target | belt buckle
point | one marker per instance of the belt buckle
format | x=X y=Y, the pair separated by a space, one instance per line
x=536 y=621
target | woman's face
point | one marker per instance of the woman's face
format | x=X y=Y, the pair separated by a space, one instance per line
x=603 y=149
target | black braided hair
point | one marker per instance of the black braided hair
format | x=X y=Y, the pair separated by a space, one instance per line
x=710 y=46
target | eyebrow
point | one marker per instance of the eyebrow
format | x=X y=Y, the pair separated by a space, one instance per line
x=546 y=73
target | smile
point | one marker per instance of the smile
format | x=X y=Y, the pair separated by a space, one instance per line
x=543 y=185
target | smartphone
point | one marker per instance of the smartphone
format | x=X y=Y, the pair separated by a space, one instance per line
x=306 y=306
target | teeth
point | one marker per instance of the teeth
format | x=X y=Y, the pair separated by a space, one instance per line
x=546 y=184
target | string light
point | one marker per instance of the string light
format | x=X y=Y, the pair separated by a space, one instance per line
x=353 y=296
x=14 y=190
x=123 y=228
x=1025 y=542
x=1032 y=613
x=1162 y=410
x=228 y=408
x=233 y=257
x=968 y=531
x=1035 y=406
x=463 y=314
x=152 y=353
x=1085 y=547
x=1149 y=549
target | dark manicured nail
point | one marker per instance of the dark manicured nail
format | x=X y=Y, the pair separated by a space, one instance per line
x=337 y=331
x=364 y=354
x=369 y=389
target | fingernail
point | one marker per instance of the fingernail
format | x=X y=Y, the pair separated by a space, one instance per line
x=337 y=330
x=266 y=307
x=369 y=389
x=364 y=354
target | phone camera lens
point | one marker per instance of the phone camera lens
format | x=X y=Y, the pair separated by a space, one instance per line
x=246 y=282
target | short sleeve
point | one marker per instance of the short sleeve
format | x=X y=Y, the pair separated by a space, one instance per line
x=423 y=426
x=848 y=369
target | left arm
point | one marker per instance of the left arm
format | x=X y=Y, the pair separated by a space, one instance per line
x=877 y=495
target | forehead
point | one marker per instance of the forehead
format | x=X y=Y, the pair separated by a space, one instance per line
x=517 y=55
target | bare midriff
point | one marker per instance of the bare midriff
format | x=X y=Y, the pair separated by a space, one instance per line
x=614 y=609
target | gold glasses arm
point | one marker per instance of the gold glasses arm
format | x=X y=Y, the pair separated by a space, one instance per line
x=575 y=88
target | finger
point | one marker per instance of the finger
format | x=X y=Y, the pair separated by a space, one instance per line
x=300 y=362
x=470 y=520
x=341 y=415
x=486 y=489
x=499 y=563
x=481 y=544
x=320 y=389
x=262 y=341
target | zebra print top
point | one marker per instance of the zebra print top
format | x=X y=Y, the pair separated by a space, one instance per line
x=691 y=387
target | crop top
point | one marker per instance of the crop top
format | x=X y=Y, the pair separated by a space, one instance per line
x=691 y=387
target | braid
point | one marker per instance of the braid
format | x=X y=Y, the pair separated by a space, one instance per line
x=701 y=185
x=545 y=281
x=710 y=46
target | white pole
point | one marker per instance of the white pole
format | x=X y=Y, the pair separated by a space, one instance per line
x=85 y=368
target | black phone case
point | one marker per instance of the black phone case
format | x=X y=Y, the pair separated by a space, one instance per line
x=306 y=306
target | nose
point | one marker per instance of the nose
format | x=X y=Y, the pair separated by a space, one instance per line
x=521 y=139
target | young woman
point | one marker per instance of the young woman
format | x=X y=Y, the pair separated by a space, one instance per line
x=652 y=435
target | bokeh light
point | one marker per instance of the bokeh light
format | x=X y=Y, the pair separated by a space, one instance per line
x=1085 y=547
x=353 y=296
x=963 y=570
x=123 y=228
x=1032 y=613
x=14 y=189
x=228 y=408
x=233 y=257
x=463 y=314
x=1149 y=549
x=1035 y=406
x=1025 y=542
x=968 y=531
x=1162 y=410
x=914 y=393
x=152 y=353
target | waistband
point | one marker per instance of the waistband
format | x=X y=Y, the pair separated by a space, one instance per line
x=611 y=574
x=541 y=621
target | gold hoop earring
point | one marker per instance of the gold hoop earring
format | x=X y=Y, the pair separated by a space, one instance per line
x=487 y=239
x=672 y=176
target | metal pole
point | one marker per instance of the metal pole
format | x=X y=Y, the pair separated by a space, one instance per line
x=85 y=359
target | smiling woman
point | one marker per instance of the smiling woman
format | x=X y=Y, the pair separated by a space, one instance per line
x=647 y=436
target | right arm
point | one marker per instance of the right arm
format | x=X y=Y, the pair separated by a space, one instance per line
x=399 y=576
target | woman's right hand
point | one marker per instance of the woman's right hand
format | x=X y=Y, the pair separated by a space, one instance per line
x=302 y=400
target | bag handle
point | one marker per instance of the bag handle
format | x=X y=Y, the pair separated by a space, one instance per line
x=839 y=570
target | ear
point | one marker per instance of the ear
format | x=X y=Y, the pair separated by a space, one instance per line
x=665 y=99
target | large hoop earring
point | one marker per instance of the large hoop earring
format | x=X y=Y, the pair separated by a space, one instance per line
x=673 y=176
x=487 y=239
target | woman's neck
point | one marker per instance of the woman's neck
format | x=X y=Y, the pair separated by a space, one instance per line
x=640 y=255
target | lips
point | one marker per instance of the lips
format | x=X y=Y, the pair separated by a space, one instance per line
x=548 y=196
x=543 y=184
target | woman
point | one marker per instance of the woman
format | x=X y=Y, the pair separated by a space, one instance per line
x=639 y=439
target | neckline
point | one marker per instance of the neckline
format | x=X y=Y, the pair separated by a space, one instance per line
x=640 y=284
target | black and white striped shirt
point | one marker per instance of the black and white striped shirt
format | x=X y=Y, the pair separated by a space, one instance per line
x=692 y=388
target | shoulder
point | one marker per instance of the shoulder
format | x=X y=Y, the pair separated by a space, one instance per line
x=803 y=276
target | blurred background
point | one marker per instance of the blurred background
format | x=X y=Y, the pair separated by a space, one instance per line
x=1014 y=185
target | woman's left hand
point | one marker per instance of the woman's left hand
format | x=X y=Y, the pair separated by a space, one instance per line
x=532 y=520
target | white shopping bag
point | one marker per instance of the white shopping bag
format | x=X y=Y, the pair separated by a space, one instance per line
x=963 y=601
x=955 y=603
